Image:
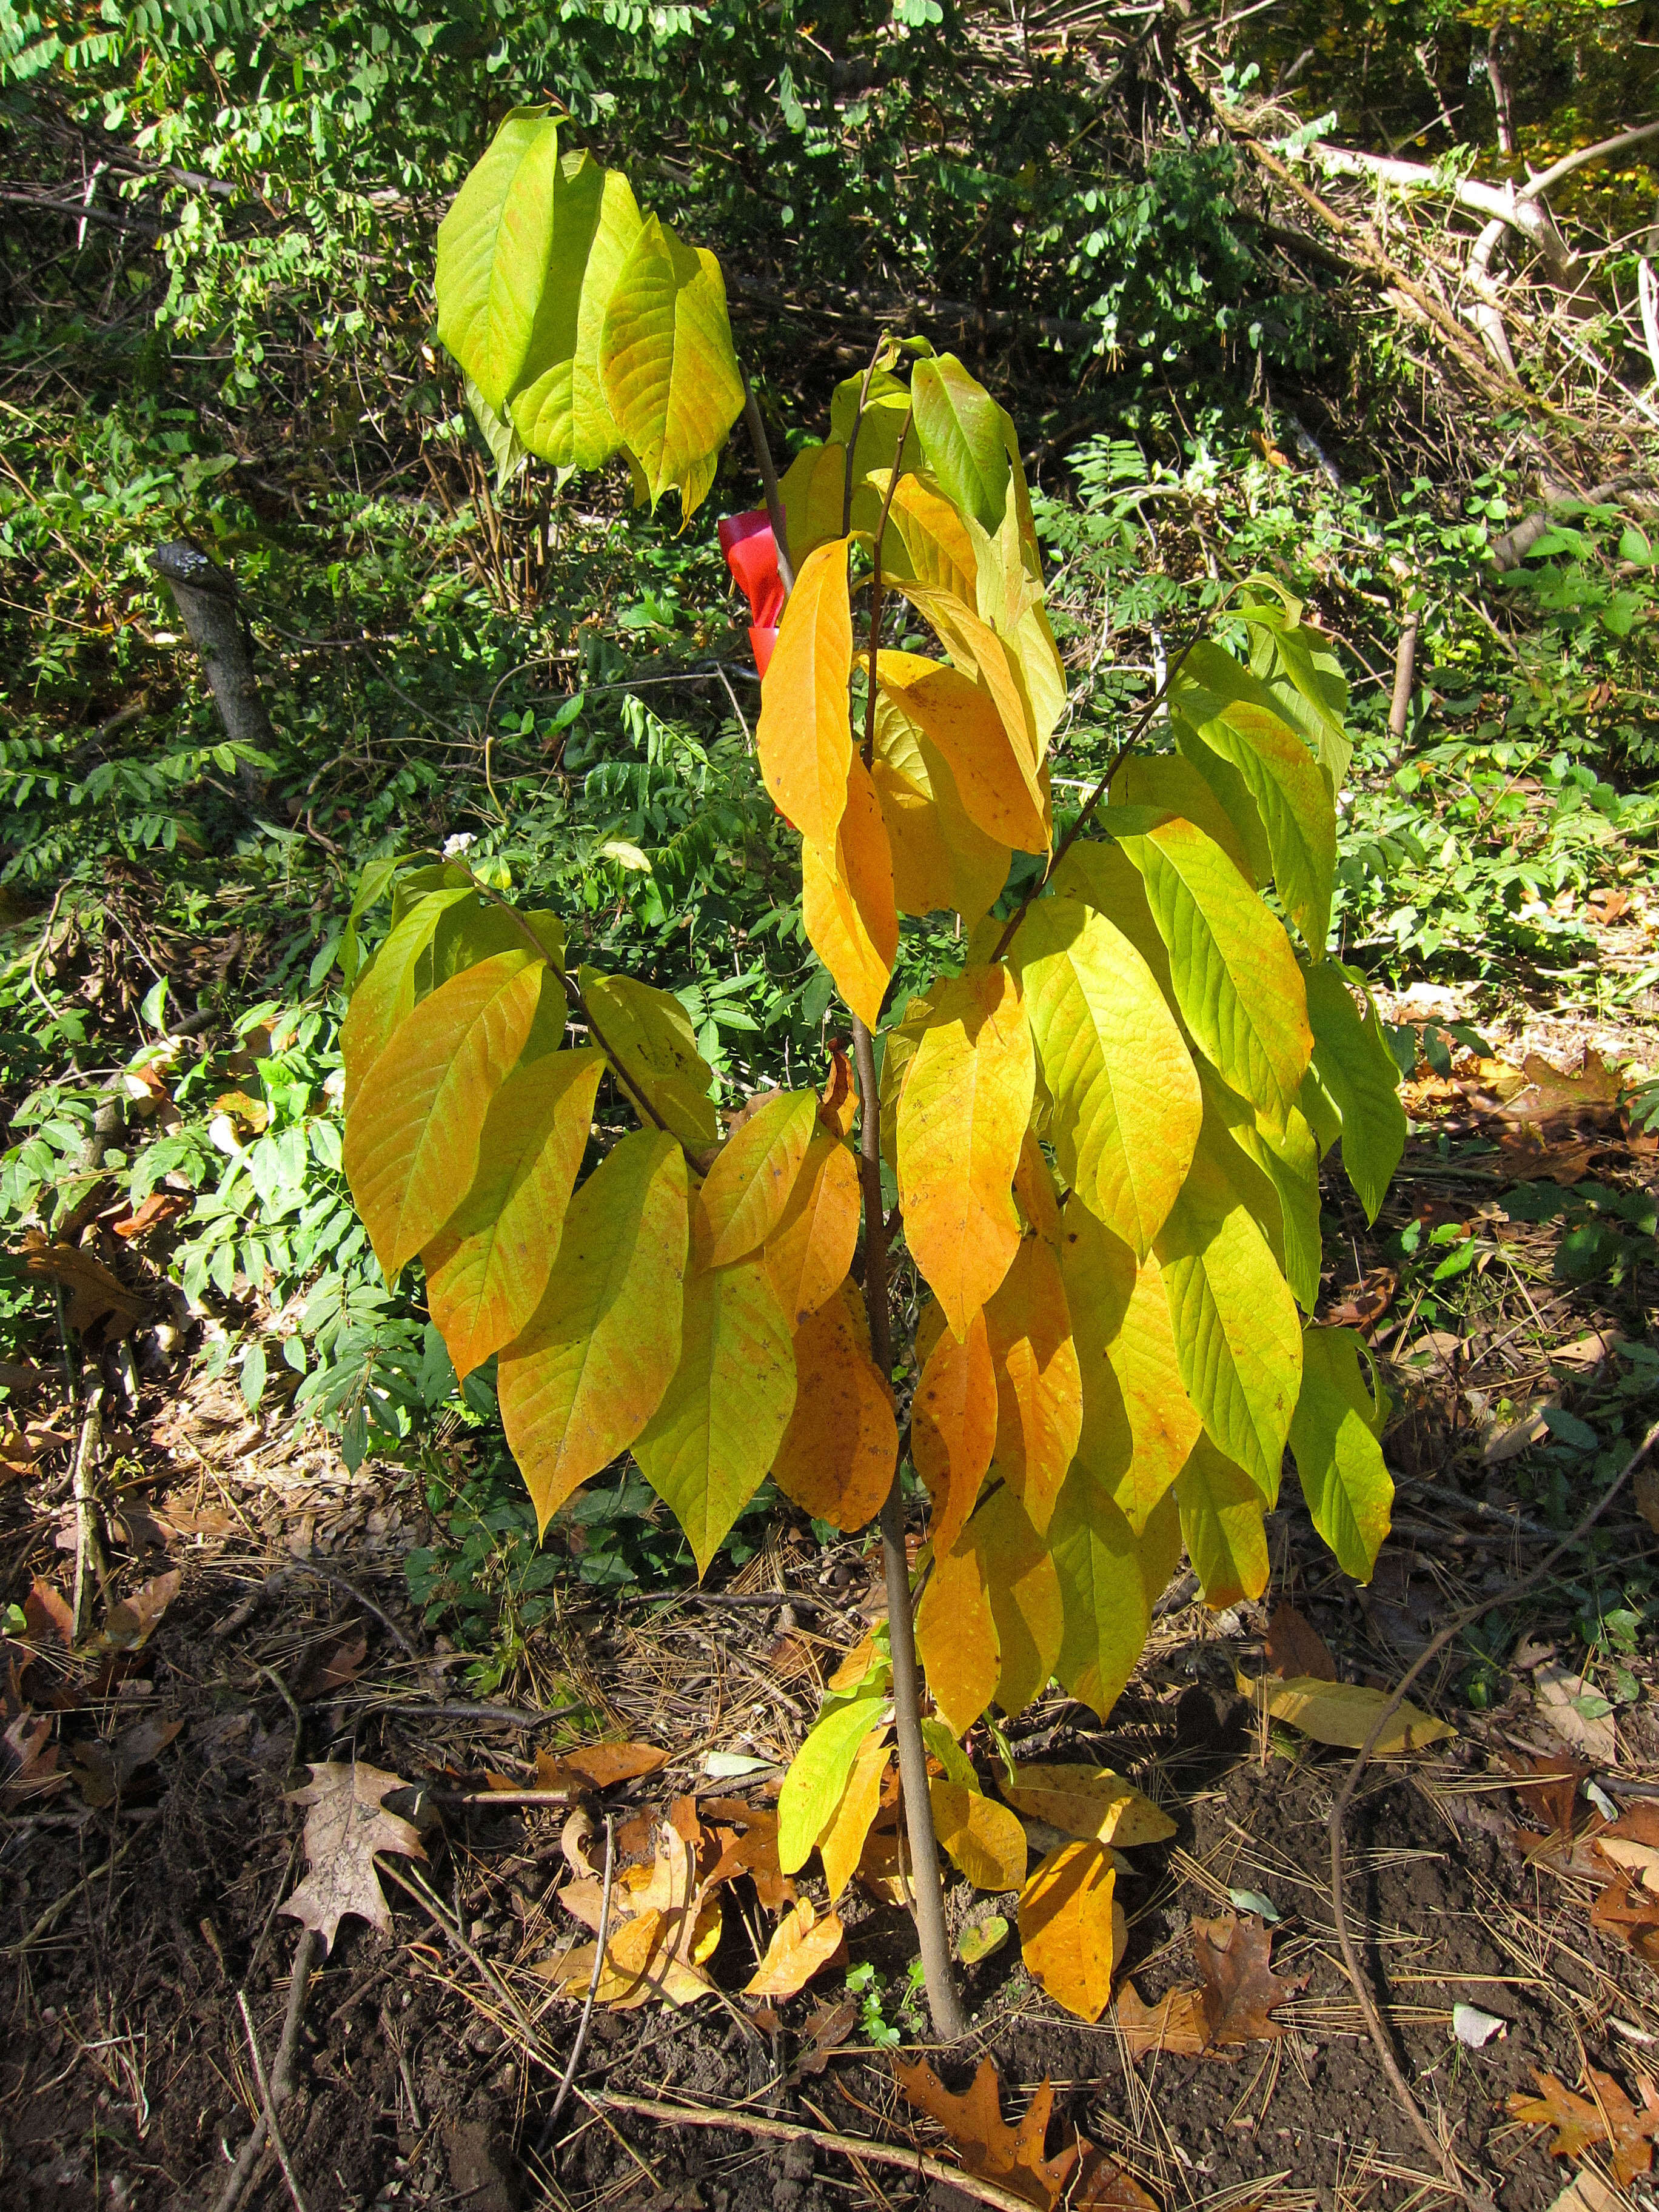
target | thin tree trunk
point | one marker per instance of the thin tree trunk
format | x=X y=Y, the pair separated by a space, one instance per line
x=206 y=600
x=1404 y=667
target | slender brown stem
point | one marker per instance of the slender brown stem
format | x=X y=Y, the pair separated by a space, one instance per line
x=853 y=442
x=944 y=2001
x=751 y=415
x=875 y=597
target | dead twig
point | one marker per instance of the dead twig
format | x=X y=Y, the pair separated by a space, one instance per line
x=306 y=1954
x=271 y=2128
x=1454 y=1628
x=582 y=2025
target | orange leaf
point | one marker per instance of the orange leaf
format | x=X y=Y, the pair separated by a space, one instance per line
x=804 y=738
x=838 y=1101
x=1580 y=2124
x=1175 y=2023
x=1039 y=1386
x=801 y=1943
x=838 y=1454
x=591 y=1368
x=956 y=1637
x=847 y=901
x=989 y=2147
x=841 y=1846
x=810 y=1249
x=942 y=858
x=980 y=655
x=1034 y=1186
x=1071 y=1931
x=753 y=1178
x=600 y=1766
x=160 y=1207
x=962 y=1118
x=996 y=786
x=1295 y=1646
x=953 y=1427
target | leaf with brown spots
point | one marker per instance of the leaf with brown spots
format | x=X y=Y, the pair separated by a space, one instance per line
x=1295 y=1646
x=1580 y=2123
x=346 y=1823
x=1240 y=1991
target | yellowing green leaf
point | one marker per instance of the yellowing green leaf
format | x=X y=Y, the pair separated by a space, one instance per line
x=1338 y=1459
x=493 y=249
x=804 y=737
x=838 y=1455
x=1287 y=1163
x=848 y=905
x=561 y=410
x=1024 y=1588
x=1139 y=1423
x=1344 y=1713
x=750 y=1183
x=982 y=1839
x=1170 y=783
x=813 y=490
x=962 y=1114
x=953 y=1426
x=818 y=1775
x=648 y=1038
x=667 y=363
x=1351 y=1059
x=1237 y=1335
x=960 y=426
x=956 y=1637
x=387 y=989
x=1071 y=1932
x=487 y=1268
x=711 y=1442
x=1091 y=1802
x=937 y=546
x=591 y=1367
x=1221 y=1524
x=1039 y=1387
x=1106 y=1611
x=840 y=1842
x=1126 y=1103
x=981 y=1938
x=810 y=1249
x=411 y=1138
x=993 y=770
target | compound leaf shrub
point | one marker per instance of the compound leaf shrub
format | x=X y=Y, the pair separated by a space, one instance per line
x=1106 y=1126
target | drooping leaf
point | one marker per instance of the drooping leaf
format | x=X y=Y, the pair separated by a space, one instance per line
x=1170 y=783
x=960 y=426
x=840 y=1842
x=1071 y=1927
x=953 y=1427
x=1343 y=1714
x=942 y=859
x=668 y=364
x=805 y=738
x=648 y=1038
x=750 y=1183
x=507 y=448
x=1139 y=1423
x=936 y=545
x=956 y=1637
x=411 y=1138
x=387 y=989
x=592 y=1363
x=346 y=1823
x=817 y=1775
x=802 y=1944
x=711 y=1442
x=994 y=775
x=962 y=1113
x=810 y=1249
x=1221 y=1525
x=1024 y=1588
x=1039 y=1385
x=1091 y=1803
x=1126 y=1102
x=1300 y=666
x=1351 y=1059
x=838 y=1455
x=486 y=1269
x=1338 y=1459
x=847 y=906
x=982 y=1839
x=1104 y=1569
x=561 y=410
x=493 y=251
x=1288 y=1160
x=980 y=655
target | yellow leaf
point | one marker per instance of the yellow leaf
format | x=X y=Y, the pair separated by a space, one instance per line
x=805 y=738
x=847 y=901
x=1221 y=1523
x=1034 y=1186
x=994 y=775
x=1138 y=1424
x=486 y=1268
x=752 y=1180
x=1068 y=1928
x=961 y=1115
x=942 y=859
x=591 y=1368
x=935 y=540
x=801 y=1943
x=648 y=1037
x=953 y=1427
x=411 y=1138
x=841 y=1846
x=710 y=1442
x=1039 y=1387
x=810 y=1249
x=983 y=1840
x=838 y=1454
x=956 y=1637
x=1342 y=1713
x=1023 y=1587
x=980 y=655
x=1088 y=1802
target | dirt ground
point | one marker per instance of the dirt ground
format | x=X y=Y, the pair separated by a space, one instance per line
x=147 y=1838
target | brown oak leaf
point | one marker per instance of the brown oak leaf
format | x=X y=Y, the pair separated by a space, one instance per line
x=1581 y=2122
x=28 y=1766
x=988 y=2146
x=1176 y=2023
x=346 y=1824
x=1240 y=1991
x=104 y=1770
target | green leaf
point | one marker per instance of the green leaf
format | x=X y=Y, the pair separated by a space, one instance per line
x=712 y=1441
x=960 y=426
x=507 y=448
x=412 y=1134
x=667 y=363
x=1300 y=667
x=1109 y=1579
x=1222 y=1526
x=1239 y=718
x=1290 y=1163
x=1237 y=1335
x=1170 y=783
x=561 y=412
x=818 y=1774
x=1338 y=1459
x=1351 y=1059
x=1127 y=1107
x=387 y=987
x=492 y=248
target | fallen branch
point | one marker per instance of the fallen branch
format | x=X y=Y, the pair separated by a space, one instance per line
x=306 y=1954
x=1510 y=550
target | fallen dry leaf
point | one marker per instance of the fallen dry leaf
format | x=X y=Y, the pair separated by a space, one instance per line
x=133 y=1619
x=1645 y=1488
x=801 y=1944
x=825 y=2033
x=1072 y=1930
x=1240 y=1991
x=748 y=1837
x=665 y=1923
x=97 y=1299
x=31 y=1761
x=49 y=1614
x=330 y=1665
x=155 y=1212
x=1342 y=1713
x=104 y=1770
x=597 y=1765
x=1580 y=2123
x=1368 y=1303
x=1561 y=1696
x=1091 y=1802
x=346 y=1824
x=988 y=2145
x=1295 y=1646
x=1175 y=2023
